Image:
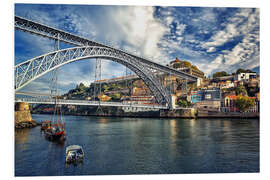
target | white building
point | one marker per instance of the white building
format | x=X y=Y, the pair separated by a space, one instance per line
x=244 y=76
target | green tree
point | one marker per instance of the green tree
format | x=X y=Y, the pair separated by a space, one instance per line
x=182 y=102
x=116 y=96
x=220 y=74
x=240 y=90
x=105 y=87
x=244 y=103
x=187 y=64
x=194 y=67
x=81 y=87
x=114 y=86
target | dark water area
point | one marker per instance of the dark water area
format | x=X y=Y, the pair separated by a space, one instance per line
x=116 y=146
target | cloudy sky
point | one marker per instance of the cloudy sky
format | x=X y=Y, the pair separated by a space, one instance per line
x=214 y=39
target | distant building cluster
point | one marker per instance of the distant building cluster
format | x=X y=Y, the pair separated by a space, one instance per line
x=219 y=93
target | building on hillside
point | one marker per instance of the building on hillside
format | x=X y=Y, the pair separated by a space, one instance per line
x=170 y=82
x=253 y=83
x=71 y=108
x=206 y=82
x=117 y=79
x=195 y=97
x=103 y=97
x=245 y=76
x=228 y=104
x=223 y=82
x=141 y=91
x=206 y=98
x=223 y=78
x=229 y=100
x=187 y=67
x=48 y=109
x=227 y=84
x=258 y=96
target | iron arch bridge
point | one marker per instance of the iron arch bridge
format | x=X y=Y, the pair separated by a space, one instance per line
x=147 y=70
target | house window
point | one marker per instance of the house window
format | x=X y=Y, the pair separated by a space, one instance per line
x=208 y=96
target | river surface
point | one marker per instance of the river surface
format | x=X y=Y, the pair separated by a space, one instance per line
x=115 y=146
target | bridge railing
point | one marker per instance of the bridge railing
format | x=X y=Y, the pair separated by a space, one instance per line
x=85 y=102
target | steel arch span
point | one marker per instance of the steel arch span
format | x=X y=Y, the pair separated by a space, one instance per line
x=42 y=30
x=30 y=70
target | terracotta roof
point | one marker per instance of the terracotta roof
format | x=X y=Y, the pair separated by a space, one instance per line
x=232 y=96
x=176 y=60
x=235 y=97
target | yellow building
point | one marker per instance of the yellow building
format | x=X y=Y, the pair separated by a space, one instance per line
x=104 y=97
x=187 y=67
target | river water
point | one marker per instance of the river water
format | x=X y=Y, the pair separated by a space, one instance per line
x=114 y=145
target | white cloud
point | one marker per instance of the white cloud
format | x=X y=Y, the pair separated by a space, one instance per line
x=208 y=15
x=140 y=29
x=222 y=37
x=208 y=68
x=169 y=20
x=235 y=26
x=180 y=28
x=135 y=28
x=211 y=49
x=245 y=54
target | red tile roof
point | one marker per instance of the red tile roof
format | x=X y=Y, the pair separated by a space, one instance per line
x=232 y=96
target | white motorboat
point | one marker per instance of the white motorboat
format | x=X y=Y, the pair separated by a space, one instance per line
x=74 y=154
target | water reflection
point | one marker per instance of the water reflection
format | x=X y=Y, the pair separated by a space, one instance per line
x=21 y=136
x=103 y=120
x=142 y=146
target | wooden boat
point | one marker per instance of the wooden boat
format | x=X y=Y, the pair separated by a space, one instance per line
x=45 y=124
x=56 y=130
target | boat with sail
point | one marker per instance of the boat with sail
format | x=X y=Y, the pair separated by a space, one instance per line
x=56 y=129
x=45 y=124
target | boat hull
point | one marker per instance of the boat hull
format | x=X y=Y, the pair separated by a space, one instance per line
x=55 y=137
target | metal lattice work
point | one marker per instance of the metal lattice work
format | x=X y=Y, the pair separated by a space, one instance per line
x=36 y=67
x=56 y=34
x=147 y=70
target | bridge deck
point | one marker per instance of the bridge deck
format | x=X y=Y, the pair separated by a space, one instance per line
x=87 y=103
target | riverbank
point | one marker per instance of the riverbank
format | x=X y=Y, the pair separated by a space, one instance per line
x=206 y=113
x=189 y=113
x=23 y=118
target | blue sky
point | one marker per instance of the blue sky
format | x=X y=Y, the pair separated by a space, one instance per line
x=214 y=39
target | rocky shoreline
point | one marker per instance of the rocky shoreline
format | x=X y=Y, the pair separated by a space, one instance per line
x=23 y=118
x=26 y=124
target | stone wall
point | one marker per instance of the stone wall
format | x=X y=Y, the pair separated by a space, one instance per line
x=23 y=118
x=218 y=114
x=181 y=113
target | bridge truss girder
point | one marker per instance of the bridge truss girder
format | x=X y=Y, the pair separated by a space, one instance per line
x=146 y=69
x=36 y=67
x=39 y=29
